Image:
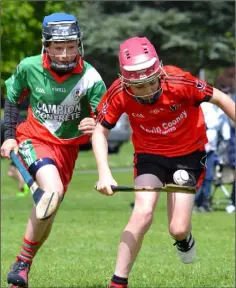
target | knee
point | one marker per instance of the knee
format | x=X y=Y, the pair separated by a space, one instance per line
x=49 y=180
x=143 y=218
x=57 y=187
x=179 y=230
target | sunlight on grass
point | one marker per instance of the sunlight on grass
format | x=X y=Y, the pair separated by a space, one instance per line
x=81 y=250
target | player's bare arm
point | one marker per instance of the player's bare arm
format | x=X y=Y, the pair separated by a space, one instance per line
x=100 y=149
x=224 y=102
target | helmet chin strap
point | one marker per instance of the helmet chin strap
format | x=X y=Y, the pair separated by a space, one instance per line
x=62 y=68
x=147 y=99
x=152 y=100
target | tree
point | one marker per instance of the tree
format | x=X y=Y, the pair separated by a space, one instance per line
x=188 y=34
x=21 y=31
x=192 y=34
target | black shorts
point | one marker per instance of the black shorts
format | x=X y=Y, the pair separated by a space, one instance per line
x=164 y=167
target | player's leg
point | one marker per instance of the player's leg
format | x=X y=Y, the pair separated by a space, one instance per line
x=12 y=172
x=209 y=177
x=15 y=174
x=180 y=205
x=139 y=223
x=61 y=175
x=202 y=199
x=231 y=207
x=133 y=234
x=36 y=230
x=179 y=214
x=48 y=177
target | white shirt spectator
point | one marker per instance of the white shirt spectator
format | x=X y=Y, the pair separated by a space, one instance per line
x=217 y=123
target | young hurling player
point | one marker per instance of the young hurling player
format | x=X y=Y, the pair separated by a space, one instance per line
x=169 y=133
x=64 y=91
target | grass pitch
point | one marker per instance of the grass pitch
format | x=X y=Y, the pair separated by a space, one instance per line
x=81 y=250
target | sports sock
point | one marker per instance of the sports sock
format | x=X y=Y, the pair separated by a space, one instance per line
x=185 y=244
x=28 y=251
x=119 y=280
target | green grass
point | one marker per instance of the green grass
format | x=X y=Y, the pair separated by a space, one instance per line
x=122 y=160
x=81 y=250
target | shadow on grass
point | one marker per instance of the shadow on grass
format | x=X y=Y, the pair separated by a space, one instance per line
x=100 y=285
x=90 y=286
x=79 y=286
x=97 y=286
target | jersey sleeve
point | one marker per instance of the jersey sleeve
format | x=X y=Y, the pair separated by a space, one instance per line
x=17 y=85
x=195 y=90
x=96 y=92
x=110 y=108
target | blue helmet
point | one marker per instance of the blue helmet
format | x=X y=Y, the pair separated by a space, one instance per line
x=61 y=27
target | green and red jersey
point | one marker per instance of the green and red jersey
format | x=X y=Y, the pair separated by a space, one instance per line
x=57 y=104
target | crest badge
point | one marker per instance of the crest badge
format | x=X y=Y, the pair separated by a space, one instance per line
x=175 y=107
x=77 y=95
x=200 y=86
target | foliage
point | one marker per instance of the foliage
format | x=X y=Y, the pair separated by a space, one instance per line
x=21 y=31
x=192 y=34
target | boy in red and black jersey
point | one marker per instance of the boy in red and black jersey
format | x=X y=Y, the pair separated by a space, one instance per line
x=169 y=134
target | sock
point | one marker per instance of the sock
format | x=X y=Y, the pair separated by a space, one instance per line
x=28 y=251
x=190 y=240
x=185 y=244
x=119 y=280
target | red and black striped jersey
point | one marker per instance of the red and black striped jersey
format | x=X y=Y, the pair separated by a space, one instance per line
x=173 y=125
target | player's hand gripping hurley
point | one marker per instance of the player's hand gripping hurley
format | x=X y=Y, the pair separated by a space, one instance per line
x=45 y=202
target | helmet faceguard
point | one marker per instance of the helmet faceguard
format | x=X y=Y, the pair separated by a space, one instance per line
x=60 y=27
x=139 y=64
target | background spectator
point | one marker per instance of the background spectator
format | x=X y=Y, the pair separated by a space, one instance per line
x=231 y=154
x=12 y=170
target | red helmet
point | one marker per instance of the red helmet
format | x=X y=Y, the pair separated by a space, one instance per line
x=138 y=60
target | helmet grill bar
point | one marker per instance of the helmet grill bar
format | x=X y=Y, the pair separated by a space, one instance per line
x=140 y=81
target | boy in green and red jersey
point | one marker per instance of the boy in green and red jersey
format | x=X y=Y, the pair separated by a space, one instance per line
x=64 y=92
